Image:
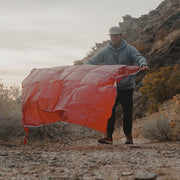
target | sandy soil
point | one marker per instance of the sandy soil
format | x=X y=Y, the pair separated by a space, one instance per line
x=83 y=158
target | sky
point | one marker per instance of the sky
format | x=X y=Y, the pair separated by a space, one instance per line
x=48 y=33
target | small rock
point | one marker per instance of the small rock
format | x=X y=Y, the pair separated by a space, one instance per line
x=52 y=170
x=134 y=146
x=61 y=171
x=145 y=176
x=12 y=166
x=126 y=173
x=25 y=173
x=4 y=154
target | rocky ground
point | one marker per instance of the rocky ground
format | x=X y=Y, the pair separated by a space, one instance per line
x=78 y=157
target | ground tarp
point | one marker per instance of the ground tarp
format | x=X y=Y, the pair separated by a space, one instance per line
x=82 y=95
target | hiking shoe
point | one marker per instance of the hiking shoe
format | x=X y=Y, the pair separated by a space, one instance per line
x=129 y=139
x=105 y=140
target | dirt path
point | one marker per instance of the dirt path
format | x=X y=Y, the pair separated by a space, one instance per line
x=86 y=159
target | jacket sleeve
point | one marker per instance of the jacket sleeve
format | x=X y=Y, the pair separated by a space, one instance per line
x=96 y=59
x=136 y=56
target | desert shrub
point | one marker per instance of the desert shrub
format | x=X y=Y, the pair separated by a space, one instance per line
x=61 y=131
x=78 y=62
x=172 y=112
x=161 y=84
x=10 y=111
x=157 y=129
x=164 y=125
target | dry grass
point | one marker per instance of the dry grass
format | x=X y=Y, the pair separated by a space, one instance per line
x=164 y=125
x=157 y=129
x=10 y=112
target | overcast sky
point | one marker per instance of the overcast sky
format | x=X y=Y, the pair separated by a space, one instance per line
x=47 y=33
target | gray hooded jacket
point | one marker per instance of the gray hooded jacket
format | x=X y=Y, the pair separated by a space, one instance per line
x=124 y=55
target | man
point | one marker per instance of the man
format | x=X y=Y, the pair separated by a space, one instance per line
x=120 y=52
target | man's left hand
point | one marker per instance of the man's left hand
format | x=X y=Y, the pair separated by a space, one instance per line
x=145 y=68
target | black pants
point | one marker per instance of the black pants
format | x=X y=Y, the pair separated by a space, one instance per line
x=125 y=97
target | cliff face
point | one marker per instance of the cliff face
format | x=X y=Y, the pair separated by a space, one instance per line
x=156 y=35
x=161 y=21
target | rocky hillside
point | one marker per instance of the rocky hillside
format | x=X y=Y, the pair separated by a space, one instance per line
x=156 y=35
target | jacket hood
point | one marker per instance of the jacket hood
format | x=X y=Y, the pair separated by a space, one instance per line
x=123 y=44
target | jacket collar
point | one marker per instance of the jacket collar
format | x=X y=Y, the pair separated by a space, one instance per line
x=123 y=44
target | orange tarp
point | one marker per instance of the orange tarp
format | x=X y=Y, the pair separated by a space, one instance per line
x=83 y=94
